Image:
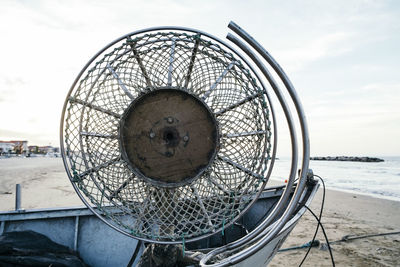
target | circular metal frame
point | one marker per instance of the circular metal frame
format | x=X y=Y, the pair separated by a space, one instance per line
x=100 y=213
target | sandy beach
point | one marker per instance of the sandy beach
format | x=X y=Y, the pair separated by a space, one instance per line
x=45 y=183
x=347 y=214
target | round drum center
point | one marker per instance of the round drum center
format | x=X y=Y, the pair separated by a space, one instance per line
x=171 y=136
x=168 y=137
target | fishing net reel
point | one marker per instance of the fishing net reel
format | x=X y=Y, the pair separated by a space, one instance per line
x=167 y=133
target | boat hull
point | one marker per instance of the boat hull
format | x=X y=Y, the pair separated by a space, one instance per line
x=100 y=245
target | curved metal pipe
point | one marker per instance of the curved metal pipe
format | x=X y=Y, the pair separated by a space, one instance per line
x=261 y=227
x=292 y=205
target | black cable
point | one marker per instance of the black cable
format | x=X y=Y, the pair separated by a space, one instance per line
x=319 y=219
x=345 y=238
x=326 y=237
x=354 y=237
x=137 y=249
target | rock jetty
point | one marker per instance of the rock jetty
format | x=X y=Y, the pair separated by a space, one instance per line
x=345 y=158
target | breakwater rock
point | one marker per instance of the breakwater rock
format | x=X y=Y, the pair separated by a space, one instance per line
x=345 y=158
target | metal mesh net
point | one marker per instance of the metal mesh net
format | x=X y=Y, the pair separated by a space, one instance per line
x=134 y=66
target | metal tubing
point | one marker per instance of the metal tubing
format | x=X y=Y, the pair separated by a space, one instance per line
x=100 y=166
x=171 y=62
x=220 y=78
x=100 y=135
x=285 y=217
x=241 y=102
x=17 y=197
x=142 y=68
x=286 y=194
x=233 y=135
x=191 y=64
x=2 y=227
x=285 y=79
x=240 y=167
x=202 y=205
x=87 y=104
x=76 y=233
x=120 y=82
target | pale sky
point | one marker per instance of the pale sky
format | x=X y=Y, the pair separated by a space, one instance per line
x=342 y=57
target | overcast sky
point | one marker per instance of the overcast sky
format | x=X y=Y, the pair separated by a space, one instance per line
x=342 y=57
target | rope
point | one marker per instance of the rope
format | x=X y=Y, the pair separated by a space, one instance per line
x=312 y=243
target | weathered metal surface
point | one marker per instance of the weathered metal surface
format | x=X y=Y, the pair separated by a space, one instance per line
x=77 y=228
x=100 y=245
x=169 y=137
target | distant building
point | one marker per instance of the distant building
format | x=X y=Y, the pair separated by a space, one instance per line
x=33 y=149
x=21 y=147
x=47 y=149
x=14 y=146
x=6 y=147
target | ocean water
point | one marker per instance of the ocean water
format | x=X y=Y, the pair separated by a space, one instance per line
x=377 y=179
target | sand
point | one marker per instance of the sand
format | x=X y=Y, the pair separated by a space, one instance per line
x=45 y=184
x=347 y=214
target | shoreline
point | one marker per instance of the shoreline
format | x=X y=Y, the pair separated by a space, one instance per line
x=380 y=197
x=391 y=198
x=348 y=158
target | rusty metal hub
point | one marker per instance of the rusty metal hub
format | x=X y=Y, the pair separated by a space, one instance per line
x=168 y=137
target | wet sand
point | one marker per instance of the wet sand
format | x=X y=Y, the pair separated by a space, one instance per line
x=45 y=184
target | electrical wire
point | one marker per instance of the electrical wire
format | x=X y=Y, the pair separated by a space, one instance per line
x=318 y=219
x=135 y=254
x=323 y=231
x=354 y=237
x=345 y=238
x=314 y=242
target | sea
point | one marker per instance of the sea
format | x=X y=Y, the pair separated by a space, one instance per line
x=377 y=179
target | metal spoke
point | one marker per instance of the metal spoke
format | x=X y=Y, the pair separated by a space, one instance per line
x=171 y=61
x=191 y=64
x=121 y=83
x=240 y=167
x=222 y=76
x=220 y=187
x=100 y=135
x=89 y=105
x=237 y=104
x=202 y=205
x=99 y=167
x=121 y=187
x=244 y=134
x=142 y=213
x=141 y=66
